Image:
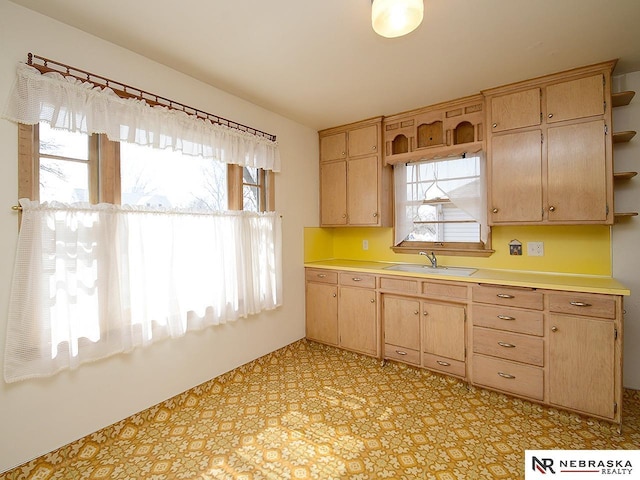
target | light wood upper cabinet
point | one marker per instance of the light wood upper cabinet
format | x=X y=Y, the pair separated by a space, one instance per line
x=549 y=151
x=362 y=185
x=333 y=188
x=575 y=99
x=516 y=177
x=577 y=172
x=364 y=141
x=515 y=110
x=355 y=189
x=333 y=147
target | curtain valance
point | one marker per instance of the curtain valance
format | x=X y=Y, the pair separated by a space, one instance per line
x=70 y=104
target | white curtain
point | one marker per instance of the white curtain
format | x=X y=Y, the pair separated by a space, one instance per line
x=91 y=281
x=69 y=104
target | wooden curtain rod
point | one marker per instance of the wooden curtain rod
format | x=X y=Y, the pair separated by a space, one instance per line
x=46 y=65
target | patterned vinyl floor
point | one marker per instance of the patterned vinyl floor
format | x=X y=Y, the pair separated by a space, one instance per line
x=309 y=411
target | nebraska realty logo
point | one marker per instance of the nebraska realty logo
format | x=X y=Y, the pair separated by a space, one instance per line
x=583 y=464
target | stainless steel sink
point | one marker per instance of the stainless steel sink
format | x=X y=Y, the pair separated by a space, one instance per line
x=429 y=270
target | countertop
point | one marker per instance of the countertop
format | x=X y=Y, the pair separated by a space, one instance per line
x=548 y=281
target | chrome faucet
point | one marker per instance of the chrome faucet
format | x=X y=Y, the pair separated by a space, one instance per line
x=432 y=258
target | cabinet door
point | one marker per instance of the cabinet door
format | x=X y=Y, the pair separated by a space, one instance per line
x=333 y=147
x=443 y=330
x=357 y=323
x=401 y=322
x=582 y=364
x=362 y=191
x=363 y=141
x=333 y=193
x=516 y=177
x=577 y=172
x=579 y=98
x=322 y=312
x=515 y=110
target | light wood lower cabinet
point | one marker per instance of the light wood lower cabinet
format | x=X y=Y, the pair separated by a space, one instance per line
x=558 y=348
x=585 y=353
x=341 y=310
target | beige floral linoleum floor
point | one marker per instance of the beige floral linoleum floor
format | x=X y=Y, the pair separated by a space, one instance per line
x=309 y=411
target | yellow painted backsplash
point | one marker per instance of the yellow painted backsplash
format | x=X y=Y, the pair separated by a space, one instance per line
x=579 y=249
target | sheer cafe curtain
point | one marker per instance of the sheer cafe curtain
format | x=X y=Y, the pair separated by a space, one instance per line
x=91 y=281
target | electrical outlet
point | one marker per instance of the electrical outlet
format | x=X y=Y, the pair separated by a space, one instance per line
x=535 y=249
x=365 y=244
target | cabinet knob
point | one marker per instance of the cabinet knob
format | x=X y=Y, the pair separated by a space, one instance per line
x=425 y=313
x=344 y=215
x=373 y=300
x=375 y=214
x=552 y=208
x=374 y=147
x=550 y=115
x=495 y=125
x=344 y=153
x=495 y=210
x=416 y=312
x=334 y=295
x=554 y=329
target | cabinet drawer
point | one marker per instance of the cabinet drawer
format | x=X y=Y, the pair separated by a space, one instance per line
x=400 y=285
x=444 y=290
x=508 y=296
x=322 y=276
x=402 y=354
x=509 y=319
x=443 y=364
x=507 y=376
x=511 y=346
x=590 y=305
x=355 y=279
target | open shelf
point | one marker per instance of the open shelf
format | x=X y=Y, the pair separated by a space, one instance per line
x=622 y=137
x=623 y=216
x=621 y=99
x=624 y=175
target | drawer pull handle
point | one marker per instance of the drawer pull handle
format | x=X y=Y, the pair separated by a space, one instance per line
x=506 y=345
x=356 y=279
x=322 y=275
x=444 y=364
x=400 y=352
x=580 y=304
x=506 y=375
x=506 y=317
x=504 y=295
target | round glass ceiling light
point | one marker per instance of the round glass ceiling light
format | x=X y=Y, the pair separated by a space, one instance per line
x=394 y=18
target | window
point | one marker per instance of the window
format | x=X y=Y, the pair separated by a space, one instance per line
x=440 y=206
x=73 y=167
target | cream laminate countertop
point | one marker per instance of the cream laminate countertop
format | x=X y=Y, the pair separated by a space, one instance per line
x=548 y=281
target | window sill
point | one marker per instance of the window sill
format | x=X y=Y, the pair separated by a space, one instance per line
x=459 y=252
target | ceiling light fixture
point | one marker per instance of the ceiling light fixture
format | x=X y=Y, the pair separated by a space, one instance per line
x=394 y=18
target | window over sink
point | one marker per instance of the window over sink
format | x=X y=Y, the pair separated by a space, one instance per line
x=440 y=205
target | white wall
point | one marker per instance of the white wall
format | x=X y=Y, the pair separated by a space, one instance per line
x=39 y=416
x=626 y=234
